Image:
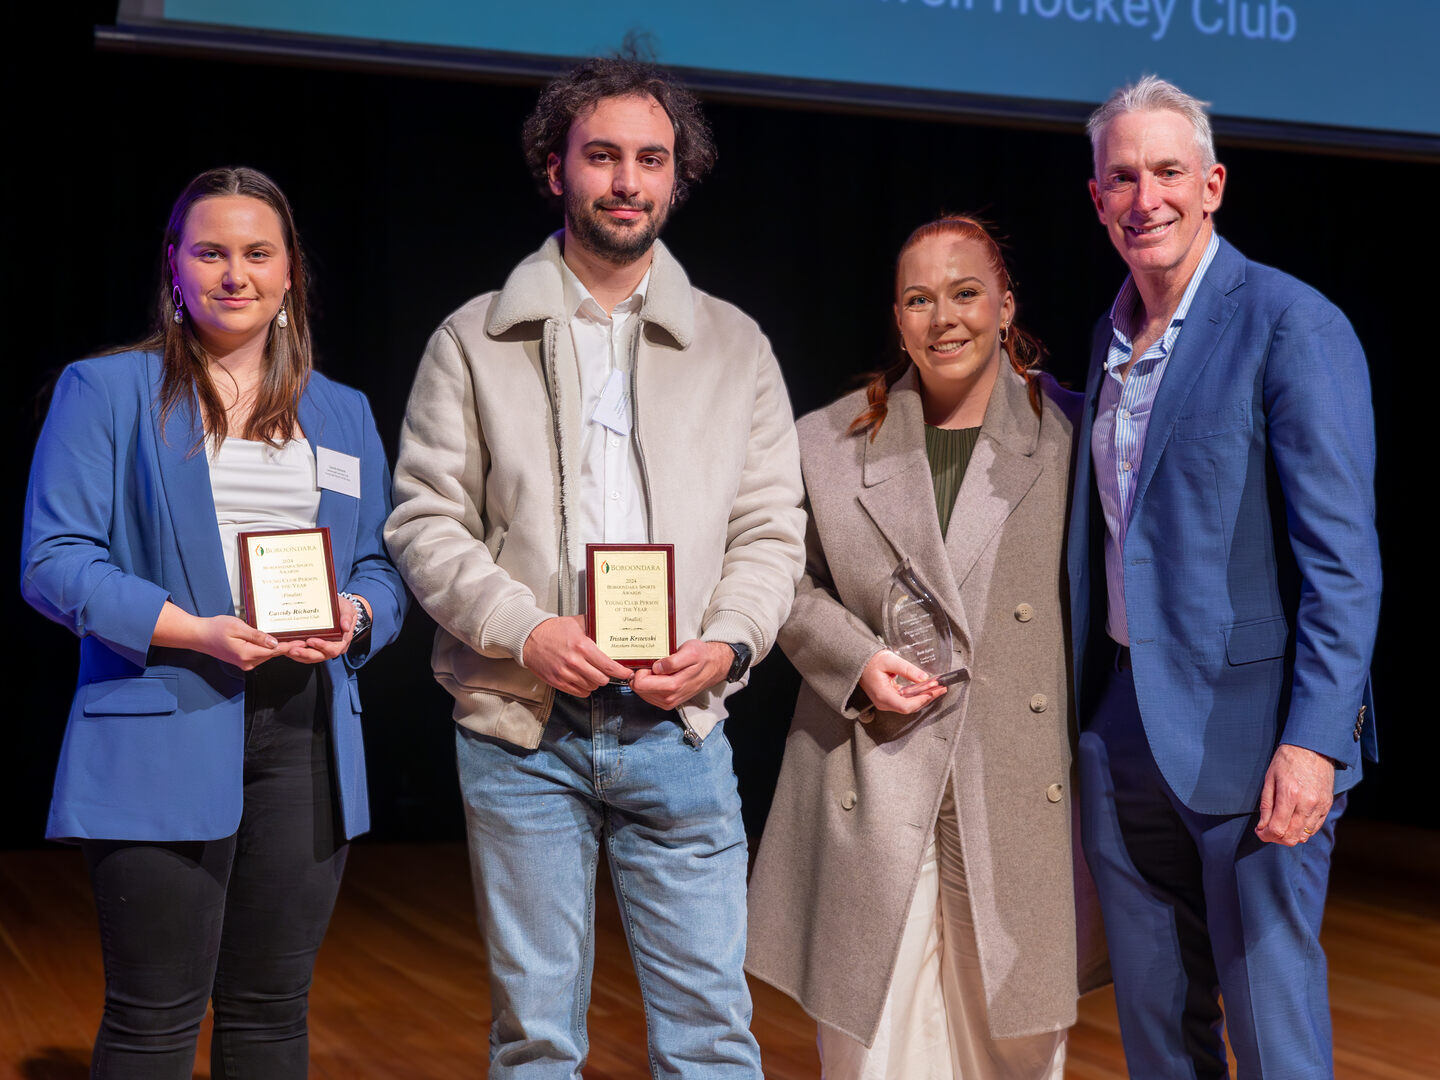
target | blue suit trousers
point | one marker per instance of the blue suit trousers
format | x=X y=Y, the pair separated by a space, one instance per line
x=1197 y=908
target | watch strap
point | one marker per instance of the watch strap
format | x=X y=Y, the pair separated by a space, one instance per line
x=362 y=615
x=741 y=663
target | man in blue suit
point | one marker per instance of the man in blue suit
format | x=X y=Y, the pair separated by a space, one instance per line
x=1225 y=588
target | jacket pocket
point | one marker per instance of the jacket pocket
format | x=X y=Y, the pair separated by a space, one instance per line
x=1262 y=639
x=147 y=695
x=1206 y=425
x=460 y=667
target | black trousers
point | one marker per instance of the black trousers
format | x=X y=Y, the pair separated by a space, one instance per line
x=237 y=920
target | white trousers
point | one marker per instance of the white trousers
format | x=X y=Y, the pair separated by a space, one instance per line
x=935 y=1025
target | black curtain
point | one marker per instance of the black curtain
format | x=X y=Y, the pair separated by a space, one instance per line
x=412 y=197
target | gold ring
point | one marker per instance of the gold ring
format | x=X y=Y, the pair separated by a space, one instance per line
x=1307 y=832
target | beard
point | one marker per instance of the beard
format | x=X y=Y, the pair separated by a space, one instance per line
x=604 y=237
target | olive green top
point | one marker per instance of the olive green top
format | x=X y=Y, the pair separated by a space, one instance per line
x=949 y=451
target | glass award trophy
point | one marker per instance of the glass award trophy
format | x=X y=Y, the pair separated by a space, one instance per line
x=916 y=629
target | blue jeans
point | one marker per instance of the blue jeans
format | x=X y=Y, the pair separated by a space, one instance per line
x=610 y=768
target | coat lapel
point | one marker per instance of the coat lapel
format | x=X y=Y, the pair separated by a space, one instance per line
x=1210 y=312
x=1001 y=470
x=338 y=513
x=899 y=497
x=191 y=505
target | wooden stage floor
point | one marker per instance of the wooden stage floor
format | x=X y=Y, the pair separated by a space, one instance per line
x=400 y=989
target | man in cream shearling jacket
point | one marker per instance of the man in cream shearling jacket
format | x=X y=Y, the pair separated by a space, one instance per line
x=598 y=398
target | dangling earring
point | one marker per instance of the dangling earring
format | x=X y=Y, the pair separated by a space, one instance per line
x=282 y=320
x=178 y=299
x=1004 y=333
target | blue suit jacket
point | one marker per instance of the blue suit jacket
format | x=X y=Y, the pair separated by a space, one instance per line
x=119 y=518
x=1252 y=568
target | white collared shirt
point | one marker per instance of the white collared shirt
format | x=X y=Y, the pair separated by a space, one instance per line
x=612 y=489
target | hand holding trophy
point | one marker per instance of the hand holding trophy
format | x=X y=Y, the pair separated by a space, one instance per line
x=917 y=630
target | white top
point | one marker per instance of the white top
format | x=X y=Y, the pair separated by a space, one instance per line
x=612 y=489
x=257 y=487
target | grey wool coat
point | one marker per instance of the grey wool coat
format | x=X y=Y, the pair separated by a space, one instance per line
x=859 y=791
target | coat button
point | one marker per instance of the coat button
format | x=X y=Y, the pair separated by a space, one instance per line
x=1039 y=703
x=1053 y=792
x=848 y=800
x=1024 y=612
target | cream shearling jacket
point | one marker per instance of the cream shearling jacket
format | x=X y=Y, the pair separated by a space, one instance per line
x=484 y=528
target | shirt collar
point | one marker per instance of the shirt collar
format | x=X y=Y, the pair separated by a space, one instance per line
x=1127 y=302
x=579 y=302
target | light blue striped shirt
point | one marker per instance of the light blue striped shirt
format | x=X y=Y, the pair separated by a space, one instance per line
x=1122 y=417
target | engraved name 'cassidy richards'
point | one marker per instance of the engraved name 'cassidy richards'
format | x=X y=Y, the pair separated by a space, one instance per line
x=289 y=583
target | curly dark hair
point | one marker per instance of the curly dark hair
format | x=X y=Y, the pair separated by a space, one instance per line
x=602 y=77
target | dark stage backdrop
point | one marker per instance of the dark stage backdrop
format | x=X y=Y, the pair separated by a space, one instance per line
x=412 y=197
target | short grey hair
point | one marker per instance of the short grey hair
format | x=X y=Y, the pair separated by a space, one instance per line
x=1153 y=94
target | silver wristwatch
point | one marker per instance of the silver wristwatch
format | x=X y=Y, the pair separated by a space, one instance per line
x=362 y=614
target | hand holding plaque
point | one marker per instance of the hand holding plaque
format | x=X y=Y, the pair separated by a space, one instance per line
x=289 y=584
x=916 y=629
x=630 y=589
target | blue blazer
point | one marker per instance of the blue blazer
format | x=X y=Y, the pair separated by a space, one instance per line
x=119 y=518
x=1252 y=567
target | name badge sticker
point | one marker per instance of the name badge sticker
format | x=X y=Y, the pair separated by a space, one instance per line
x=613 y=408
x=339 y=472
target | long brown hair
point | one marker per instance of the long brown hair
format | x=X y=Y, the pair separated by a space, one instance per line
x=288 y=353
x=1021 y=347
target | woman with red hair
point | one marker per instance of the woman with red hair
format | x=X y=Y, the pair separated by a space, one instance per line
x=914 y=889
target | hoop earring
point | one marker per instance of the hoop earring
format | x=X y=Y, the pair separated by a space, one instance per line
x=178 y=299
x=1004 y=333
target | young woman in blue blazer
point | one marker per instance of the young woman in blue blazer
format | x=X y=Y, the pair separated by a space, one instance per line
x=212 y=774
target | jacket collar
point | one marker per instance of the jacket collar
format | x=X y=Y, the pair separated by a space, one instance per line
x=1226 y=273
x=1002 y=470
x=895 y=445
x=186 y=477
x=535 y=292
x=336 y=512
x=1009 y=422
x=899 y=495
x=1210 y=312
